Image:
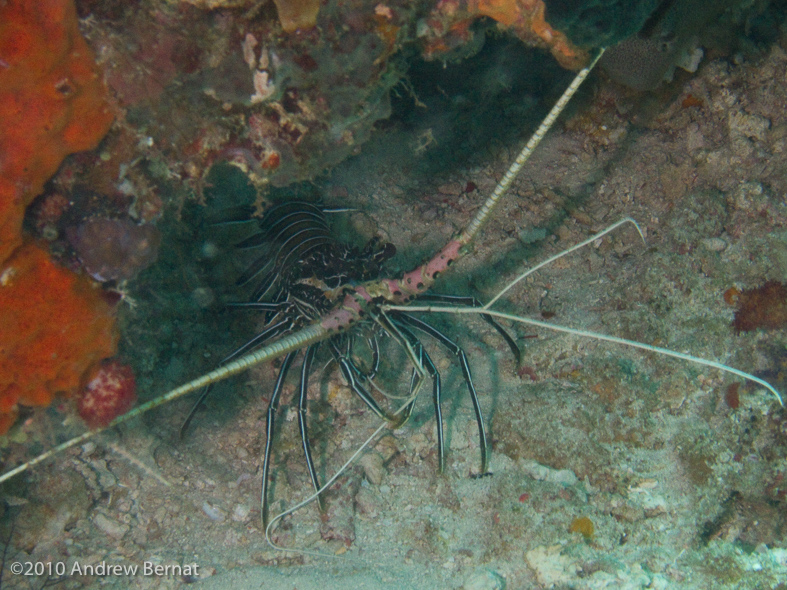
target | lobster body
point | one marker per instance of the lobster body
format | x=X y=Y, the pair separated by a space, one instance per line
x=299 y=250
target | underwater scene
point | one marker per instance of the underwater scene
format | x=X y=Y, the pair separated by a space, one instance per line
x=286 y=301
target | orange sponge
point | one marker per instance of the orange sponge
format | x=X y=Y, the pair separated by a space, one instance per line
x=297 y=14
x=524 y=18
x=54 y=325
x=52 y=103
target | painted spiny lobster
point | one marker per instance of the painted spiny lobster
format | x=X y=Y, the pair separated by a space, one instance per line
x=300 y=274
x=307 y=309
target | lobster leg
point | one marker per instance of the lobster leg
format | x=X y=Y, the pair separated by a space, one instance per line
x=437 y=390
x=302 y=424
x=374 y=346
x=473 y=302
x=455 y=349
x=259 y=340
x=349 y=372
x=270 y=418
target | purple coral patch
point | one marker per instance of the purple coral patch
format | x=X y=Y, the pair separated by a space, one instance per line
x=114 y=249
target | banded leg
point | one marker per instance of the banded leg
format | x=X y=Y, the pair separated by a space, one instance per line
x=259 y=340
x=349 y=371
x=258 y=305
x=270 y=419
x=311 y=351
x=394 y=330
x=473 y=302
x=374 y=346
x=426 y=362
x=455 y=349
x=279 y=307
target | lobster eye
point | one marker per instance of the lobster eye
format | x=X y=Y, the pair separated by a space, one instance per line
x=389 y=251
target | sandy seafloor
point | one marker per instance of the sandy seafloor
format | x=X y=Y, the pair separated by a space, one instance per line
x=683 y=490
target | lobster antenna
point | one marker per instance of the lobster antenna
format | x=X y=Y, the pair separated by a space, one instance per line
x=513 y=171
x=584 y=333
x=316 y=495
x=551 y=259
x=595 y=336
x=300 y=339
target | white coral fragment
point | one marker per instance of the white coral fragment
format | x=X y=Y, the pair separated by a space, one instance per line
x=263 y=87
x=248 y=45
